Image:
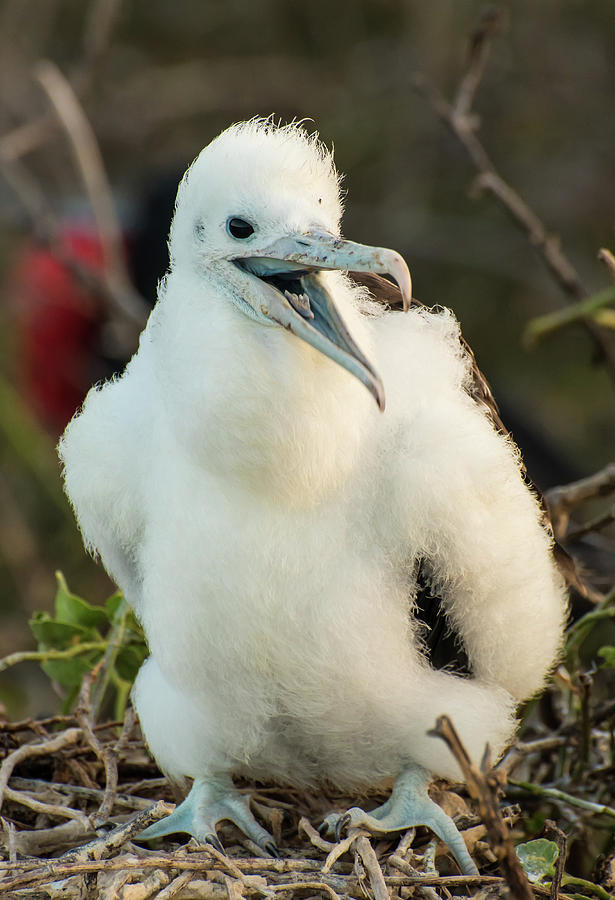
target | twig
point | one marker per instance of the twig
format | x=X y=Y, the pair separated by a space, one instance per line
x=608 y=259
x=99 y=25
x=90 y=163
x=563 y=797
x=9 y=830
x=48 y=230
x=49 y=809
x=114 y=642
x=35 y=784
x=107 y=755
x=545 y=326
x=488 y=24
x=27 y=751
x=14 y=659
x=521 y=750
x=562 y=500
x=101 y=847
x=338 y=850
x=459 y=119
x=175 y=886
x=552 y=832
x=483 y=786
x=313 y=836
x=596 y=524
x=372 y=867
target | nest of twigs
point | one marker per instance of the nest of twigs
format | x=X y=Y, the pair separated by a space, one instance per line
x=76 y=795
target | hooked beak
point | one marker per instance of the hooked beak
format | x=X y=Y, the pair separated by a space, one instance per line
x=295 y=294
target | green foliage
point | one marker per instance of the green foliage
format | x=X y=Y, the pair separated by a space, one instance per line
x=608 y=655
x=80 y=636
x=538 y=858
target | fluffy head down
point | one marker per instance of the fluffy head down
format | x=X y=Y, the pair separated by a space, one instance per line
x=279 y=177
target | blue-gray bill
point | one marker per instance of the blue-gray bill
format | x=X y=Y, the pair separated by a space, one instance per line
x=296 y=296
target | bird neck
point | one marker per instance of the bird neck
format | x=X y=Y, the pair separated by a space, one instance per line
x=254 y=404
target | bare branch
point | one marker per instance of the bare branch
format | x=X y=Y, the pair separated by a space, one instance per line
x=27 y=751
x=489 y=23
x=90 y=163
x=100 y=22
x=544 y=326
x=459 y=119
x=483 y=786
x=562 y=500
x=106 y=754
x=608 y=259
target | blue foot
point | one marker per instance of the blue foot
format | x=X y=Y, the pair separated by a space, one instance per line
x=409 y=805
x=210 y=801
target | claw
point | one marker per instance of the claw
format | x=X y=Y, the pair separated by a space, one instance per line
x=409 y=805
x=342 y=823
x=212 y=800
x=327 y=828
x=271 y=848
x=214 y=840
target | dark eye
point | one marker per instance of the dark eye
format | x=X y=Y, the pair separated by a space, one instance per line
x=239 y=228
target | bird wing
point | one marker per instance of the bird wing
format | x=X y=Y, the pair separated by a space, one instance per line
x=100 y=451
x=443 y=647
x=386 y=292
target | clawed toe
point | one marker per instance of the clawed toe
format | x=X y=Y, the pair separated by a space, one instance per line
x=333 y=825
x=209 y=802
x=408 y=806
x=214 y=841
x=272 y=849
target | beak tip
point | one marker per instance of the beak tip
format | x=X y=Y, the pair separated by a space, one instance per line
x=377 y=391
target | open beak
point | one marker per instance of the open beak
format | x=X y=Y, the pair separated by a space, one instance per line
x=295 y=294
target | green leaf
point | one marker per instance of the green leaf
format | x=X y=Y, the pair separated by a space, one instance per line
x=74 y=610
x=608 y=655
x=113 y=603
x=51 y=633
x=538 y=858
x=69 y=672
x=129 y=660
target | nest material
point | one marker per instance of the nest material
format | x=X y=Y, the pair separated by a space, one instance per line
x=75 y=797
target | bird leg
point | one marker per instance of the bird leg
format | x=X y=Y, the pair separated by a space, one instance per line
x=210 y=801
x=409 y=805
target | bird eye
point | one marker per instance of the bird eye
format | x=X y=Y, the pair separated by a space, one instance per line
x=239 y=228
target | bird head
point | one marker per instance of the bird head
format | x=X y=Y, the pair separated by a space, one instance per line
x=260 y=210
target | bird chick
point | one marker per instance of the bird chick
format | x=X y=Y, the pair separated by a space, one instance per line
x=269 y=525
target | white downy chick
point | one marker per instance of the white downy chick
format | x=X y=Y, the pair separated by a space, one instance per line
x=268 y=523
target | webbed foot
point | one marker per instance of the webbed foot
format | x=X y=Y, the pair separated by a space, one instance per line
x=209 y=802
x=409 y=805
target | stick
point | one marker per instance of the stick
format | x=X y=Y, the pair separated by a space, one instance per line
x=562 y=500
x=459 y=119
x=372 y=867
x=89 y=161
x=107 y=755
x=608 y=259
x=27 y=751
x=483 y=787
x=545 y=326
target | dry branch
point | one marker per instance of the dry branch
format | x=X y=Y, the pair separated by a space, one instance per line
x=484 y=787
x=608 y=259
x=99 y=23
x=459 y=118
x=562 y=500
x=89 y=161
x=28 y=751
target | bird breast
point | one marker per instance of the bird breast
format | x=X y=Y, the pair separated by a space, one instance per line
x=254 y=405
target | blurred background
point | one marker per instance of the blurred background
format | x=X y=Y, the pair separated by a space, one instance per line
x=156 y=81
